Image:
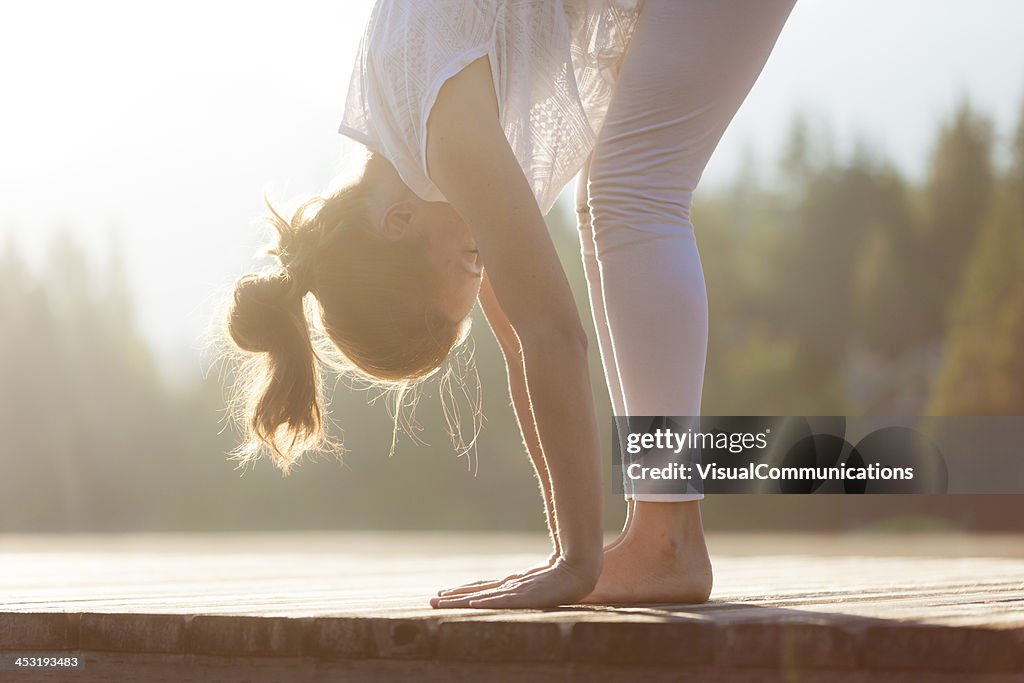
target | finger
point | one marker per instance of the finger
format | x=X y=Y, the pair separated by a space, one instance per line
x=454 y=602
x=462 y=588
x=449 y=601
x=506 y=601
x=476 y=586
x=485 y=584
x=464 y=600
x=535 y=595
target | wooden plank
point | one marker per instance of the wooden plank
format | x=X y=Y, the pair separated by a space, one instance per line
x=227 y=604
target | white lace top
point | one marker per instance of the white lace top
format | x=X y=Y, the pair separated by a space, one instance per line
x=553 y=63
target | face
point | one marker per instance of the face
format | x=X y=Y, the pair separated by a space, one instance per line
x=449 y=247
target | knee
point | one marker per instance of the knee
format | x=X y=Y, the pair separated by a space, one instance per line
x=585 y=225
x=584 y=216
x=582 y=198
x=630 y=204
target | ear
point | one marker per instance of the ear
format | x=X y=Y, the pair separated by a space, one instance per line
x=398 y=221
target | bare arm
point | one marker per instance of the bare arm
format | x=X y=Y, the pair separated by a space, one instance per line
x=512 y=350
x=471 y=163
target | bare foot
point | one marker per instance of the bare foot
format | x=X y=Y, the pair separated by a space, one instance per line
x=662 y=559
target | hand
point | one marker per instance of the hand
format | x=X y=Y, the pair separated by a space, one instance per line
x=559 y=584
x=478 y=586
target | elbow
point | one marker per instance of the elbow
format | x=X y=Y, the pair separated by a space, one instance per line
x=565 y=335
x=580 y=339
x=510 y=346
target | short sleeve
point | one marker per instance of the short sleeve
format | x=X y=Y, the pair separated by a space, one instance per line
x=553 y=62
x=408 y=51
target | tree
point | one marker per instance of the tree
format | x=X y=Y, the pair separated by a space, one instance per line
x=956 y=200
x=983 y=370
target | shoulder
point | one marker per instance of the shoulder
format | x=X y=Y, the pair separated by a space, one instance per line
x=463 y=125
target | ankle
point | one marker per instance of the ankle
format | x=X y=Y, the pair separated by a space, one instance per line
x=672 y=518
x=669 y=529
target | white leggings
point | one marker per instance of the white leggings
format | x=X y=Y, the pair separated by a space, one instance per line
x=689 y=66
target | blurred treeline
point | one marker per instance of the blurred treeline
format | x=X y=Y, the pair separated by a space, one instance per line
x=840 y=288
x=837 y=287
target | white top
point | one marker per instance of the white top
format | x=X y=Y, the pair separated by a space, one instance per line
x=553 y=62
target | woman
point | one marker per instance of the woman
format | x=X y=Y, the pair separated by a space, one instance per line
x=477 y=114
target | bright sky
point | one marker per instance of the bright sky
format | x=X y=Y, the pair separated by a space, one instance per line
x=167 y=121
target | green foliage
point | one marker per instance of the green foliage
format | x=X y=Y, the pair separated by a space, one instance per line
x=983 y=370
x=82 y=406
x=956 y=201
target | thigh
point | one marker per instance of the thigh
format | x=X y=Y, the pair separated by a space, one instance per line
x=689 y=66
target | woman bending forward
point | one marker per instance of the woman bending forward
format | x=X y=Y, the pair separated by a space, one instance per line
x=477 y=113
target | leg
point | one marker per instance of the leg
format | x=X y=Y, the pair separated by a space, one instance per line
x=689 y=67
x=591 y=269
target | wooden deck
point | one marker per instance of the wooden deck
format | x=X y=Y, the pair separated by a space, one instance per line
x=321 y=606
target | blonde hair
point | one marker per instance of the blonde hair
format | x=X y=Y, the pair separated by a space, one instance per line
x=371 y=299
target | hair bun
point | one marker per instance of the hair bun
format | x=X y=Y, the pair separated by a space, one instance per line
x=265 y=311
